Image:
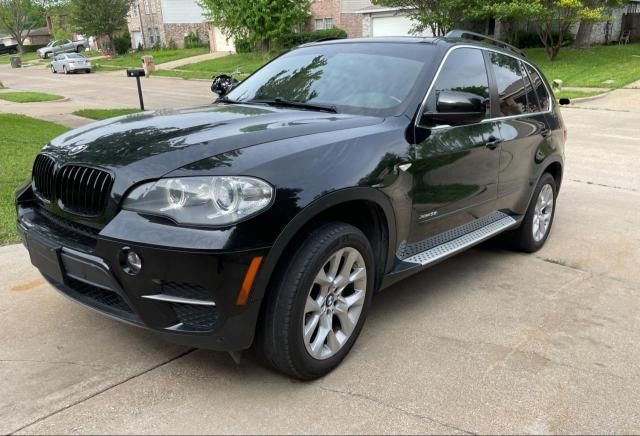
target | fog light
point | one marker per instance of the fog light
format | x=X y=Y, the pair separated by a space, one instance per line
x=134 y=263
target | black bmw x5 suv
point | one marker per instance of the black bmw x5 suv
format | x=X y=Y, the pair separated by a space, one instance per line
x=271 y=217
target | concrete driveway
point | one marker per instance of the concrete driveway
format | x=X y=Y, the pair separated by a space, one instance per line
x=488 y=342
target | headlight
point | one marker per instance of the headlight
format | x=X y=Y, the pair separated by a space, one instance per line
x=201 y=200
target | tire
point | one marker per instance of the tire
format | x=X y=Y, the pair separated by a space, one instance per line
x=79 y=48
x=294 y=303
x=523 y=238
x=53 y=69
x=65 y=69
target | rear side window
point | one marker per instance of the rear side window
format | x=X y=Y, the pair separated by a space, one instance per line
x=512 y=93
x=540 y=88
x=464 y=71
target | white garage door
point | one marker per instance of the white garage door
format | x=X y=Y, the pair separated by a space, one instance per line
x=396 y=25
x=222 y=43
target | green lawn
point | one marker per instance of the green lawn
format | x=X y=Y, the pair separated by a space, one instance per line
x=27 y=57
x=28 y=97
x=20 y=140
x=576 y=94
x=135 y=59
x=591 y=68
x=245 y=64
x=103 y=114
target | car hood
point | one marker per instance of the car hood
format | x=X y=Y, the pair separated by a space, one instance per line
x=150 y=144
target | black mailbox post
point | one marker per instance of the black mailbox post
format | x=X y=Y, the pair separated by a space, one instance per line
x=137 y=73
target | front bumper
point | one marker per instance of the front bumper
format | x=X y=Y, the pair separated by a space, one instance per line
x=187 y=296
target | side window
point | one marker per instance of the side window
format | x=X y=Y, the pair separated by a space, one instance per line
x=532 y=98
x=540 y=88
x=512 y=94
x=463 y=71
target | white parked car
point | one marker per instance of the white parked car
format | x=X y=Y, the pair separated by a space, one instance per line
x=70 y=63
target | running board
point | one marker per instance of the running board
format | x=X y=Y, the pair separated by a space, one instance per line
x=416 y=256
x=460 y=244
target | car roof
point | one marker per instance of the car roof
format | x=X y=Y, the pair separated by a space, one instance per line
x=440 y=41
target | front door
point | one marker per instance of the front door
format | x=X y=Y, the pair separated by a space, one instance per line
x=455 y=168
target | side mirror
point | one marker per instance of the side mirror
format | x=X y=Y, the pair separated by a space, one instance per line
x=564 y=101
x=455 y=108
x=223 y=84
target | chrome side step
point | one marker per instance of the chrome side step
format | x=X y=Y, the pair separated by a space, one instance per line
x=461 y=243
x=172 y=299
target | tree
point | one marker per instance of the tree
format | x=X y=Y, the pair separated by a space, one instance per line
x=439 y=16
x=257 y=21
x=100 y=17
x=511 y=13
x=20 y=17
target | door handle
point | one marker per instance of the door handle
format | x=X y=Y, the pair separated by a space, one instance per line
x=493 y=143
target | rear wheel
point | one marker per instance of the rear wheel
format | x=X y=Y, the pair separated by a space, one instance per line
x=536 y=226
x=319 y=303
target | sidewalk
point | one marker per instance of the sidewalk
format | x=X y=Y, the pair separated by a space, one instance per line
x=191 y=60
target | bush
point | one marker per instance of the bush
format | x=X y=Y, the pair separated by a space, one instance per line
x=172 y=44
x=243 y=45
x=532 y=40
x=192 y=40
x=32 y=48
x=290 y=40
x=122 y=43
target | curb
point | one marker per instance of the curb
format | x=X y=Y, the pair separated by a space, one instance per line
x=590 y=98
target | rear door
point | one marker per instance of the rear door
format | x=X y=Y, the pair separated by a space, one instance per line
x=455 y=168
x=521 y=117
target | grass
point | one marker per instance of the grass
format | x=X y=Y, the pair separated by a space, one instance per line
x=27 y=57
x=576 y=94
x=591 y=68
x=135 y=59
x=21 y=138
x=29 y=97
x=244 y=63
x=103 y=114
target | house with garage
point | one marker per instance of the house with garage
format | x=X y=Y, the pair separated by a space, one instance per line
x=154 y=23
x=359 y=18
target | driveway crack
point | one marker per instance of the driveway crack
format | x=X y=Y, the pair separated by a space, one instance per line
x=399 y=409
x=108 y=388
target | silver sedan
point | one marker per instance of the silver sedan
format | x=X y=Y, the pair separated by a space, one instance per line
x=70 y=63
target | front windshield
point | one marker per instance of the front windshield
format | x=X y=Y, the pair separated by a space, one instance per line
x=364 y=78
x=50 y=44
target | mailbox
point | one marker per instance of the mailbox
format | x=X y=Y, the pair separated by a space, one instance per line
x=135 y=72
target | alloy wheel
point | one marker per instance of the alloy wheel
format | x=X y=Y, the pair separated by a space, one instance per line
x=543 y=213
x=334 y=303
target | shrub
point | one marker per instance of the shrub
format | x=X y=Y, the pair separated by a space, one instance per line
x=172 y=44
x=243 y=45
x=192 y=40
x=140 y=47
x=32 y=48
x=290 y=40
x=122 y=43
x=532 y=40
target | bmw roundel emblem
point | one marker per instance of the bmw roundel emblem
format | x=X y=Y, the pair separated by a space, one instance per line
x=77 y=149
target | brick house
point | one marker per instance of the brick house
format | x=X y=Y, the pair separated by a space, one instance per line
x=359 y=18
x=160 y=22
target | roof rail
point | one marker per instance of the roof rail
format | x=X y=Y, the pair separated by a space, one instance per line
x=465 y=34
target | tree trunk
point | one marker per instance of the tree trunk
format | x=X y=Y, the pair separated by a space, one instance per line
x=583 y=38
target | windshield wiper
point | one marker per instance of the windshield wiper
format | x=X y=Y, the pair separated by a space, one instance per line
x=279 y=101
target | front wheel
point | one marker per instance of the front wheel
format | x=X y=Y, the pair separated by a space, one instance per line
x=65 y=69
x=536 y=225
x=53 y=69
x=318 y=304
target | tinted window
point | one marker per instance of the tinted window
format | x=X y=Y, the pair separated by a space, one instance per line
x=355 y=78
x=512 y=94
x=464 y=70
x=540 y=88
x=532 y=98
